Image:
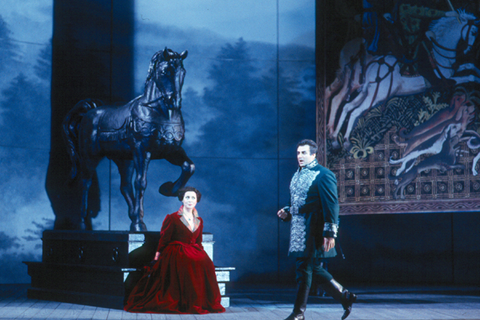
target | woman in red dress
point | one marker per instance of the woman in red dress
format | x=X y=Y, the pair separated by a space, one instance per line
x=183 y=279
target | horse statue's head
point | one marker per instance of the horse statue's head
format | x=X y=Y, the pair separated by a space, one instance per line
x=166 y=74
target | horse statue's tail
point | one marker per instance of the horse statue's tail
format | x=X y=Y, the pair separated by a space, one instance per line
x=70 y=130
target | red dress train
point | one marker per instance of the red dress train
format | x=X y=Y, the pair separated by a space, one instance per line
x=183 y=279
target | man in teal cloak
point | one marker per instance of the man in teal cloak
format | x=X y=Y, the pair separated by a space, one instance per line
x=313 y=212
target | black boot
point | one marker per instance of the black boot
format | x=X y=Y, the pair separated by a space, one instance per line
x=300 y=303
x=346 y=298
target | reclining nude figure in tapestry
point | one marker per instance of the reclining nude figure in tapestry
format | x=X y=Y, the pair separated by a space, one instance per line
x=149 y=127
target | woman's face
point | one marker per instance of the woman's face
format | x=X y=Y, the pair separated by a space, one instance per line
x=189 y=200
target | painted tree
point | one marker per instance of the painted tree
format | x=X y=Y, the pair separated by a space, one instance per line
x=8 y=48
x=241 y=109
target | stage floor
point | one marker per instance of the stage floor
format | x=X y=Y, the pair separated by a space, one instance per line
x=379 y=302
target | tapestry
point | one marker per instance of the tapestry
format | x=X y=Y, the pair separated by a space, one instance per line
x=399 y=124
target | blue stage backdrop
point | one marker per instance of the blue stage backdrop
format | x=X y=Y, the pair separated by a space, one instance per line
x=248 y=97
x=25 y=72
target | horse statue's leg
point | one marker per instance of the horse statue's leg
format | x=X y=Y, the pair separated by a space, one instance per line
x=86 y=175
x=141 y=160
x=178 y=158
x=126 y=169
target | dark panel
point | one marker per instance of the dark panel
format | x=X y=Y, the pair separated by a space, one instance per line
x=467 y=251
x=84 y=54
x=395 y=248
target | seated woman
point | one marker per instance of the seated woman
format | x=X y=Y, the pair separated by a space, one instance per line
x=182 y=280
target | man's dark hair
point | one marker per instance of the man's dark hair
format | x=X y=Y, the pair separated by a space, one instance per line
x=181 y=193
x=307 y=142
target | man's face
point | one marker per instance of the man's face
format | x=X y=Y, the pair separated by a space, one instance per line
x=303 y=155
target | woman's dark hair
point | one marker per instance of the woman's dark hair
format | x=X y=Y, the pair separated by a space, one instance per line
x=307 y=142
x=181 y=193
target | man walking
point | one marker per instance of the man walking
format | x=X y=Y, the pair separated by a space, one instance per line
x=313 y=212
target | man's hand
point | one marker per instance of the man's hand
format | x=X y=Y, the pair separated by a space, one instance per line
x=328 y=243
x=282 y=214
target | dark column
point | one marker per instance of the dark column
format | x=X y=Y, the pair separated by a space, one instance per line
x=92 y=57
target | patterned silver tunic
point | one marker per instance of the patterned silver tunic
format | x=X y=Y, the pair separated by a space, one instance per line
x=301 y=182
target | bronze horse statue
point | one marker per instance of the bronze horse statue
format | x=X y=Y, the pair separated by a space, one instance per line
x=149 y=127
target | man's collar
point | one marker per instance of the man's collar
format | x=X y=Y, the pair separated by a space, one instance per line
x=310 y=165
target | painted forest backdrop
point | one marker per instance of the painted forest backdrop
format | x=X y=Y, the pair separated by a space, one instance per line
x=25 y=71
x=248 y=97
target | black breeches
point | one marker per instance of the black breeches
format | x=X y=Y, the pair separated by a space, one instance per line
x=306 y=268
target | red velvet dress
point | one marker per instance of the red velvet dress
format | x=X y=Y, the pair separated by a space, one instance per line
x=183 y=279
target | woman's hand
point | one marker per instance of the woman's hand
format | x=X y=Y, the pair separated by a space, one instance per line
x=157 y=255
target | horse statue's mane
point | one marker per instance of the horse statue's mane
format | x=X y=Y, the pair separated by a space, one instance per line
x=162 y=55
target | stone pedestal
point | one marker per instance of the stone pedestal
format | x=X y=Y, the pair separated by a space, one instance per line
x=99 y=268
